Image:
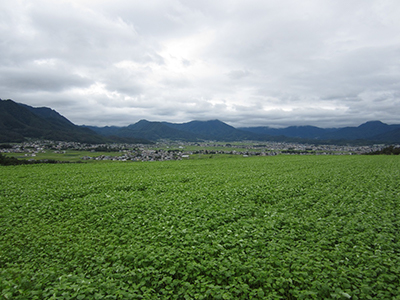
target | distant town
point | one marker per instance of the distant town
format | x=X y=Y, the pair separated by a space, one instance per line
x=167 y=150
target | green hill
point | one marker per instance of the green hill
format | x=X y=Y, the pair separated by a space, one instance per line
x=20 y=121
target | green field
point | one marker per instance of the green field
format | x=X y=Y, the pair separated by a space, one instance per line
x=69 y=155
x=283 y=227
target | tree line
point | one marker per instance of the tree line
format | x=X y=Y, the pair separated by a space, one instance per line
x=390 y=150
x=12 y=161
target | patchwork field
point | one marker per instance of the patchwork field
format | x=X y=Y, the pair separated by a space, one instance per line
x=283 y=227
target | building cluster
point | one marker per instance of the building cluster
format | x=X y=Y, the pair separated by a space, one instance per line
x=275 y=148
x=168 y=150
x=141 y=155
x=28 y=149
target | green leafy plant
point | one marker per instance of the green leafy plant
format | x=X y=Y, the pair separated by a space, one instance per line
x=284 y=227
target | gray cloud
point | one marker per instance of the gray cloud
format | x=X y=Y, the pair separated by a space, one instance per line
x=238 y=74
x=276 y=63
x=40 y=77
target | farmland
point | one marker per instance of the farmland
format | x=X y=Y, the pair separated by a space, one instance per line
x=282 y=227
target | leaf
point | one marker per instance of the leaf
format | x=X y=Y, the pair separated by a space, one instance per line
x=345 y=295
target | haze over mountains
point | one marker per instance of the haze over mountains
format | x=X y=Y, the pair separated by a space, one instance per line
x=20 y=121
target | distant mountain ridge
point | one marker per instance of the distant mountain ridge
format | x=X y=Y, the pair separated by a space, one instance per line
x=20 y=121
x=371 y=130
x=307 y=132
x=375 y=131
x=192 y=131
x=215 y=130
x=145 y=129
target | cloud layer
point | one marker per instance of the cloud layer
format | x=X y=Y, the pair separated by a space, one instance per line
x=247 y=63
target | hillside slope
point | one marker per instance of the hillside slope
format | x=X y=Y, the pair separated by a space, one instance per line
x=20 y=121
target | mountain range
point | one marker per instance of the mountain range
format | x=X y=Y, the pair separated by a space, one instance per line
x=191 y=131
x=20 y=121
x=374 y=131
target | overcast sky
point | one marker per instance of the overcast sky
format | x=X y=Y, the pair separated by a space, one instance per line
x=328 y=63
